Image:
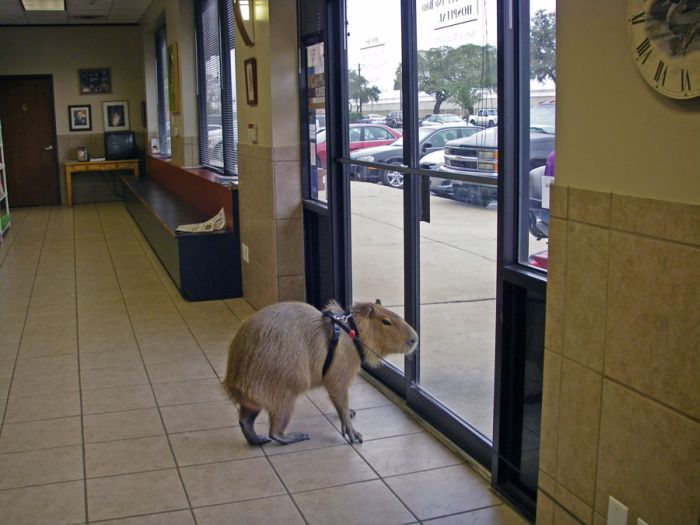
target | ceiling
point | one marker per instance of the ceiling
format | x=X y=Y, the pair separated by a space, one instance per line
x=77 y=12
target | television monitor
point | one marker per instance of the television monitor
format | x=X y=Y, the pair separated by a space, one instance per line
x=119 y=145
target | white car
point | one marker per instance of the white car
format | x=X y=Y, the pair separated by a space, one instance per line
x=485 y=117
x=441 y=119
x=433 y=161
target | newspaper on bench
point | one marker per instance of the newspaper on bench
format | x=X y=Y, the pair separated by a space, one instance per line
x=217 y=222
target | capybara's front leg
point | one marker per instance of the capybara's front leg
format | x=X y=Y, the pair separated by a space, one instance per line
x=279 y=419
x=339 y=397
x=246 y=419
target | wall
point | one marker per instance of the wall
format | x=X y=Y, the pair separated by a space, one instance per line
x=621 y=400
x=269 y=169
x=60 y=51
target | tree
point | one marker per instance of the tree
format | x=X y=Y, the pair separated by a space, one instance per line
x=359 y=89
x=543 y=46
x=460 y=74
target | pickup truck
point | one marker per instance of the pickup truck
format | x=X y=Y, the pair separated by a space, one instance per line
x=486 y=118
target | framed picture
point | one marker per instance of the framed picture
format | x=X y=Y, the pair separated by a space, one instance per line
x=173 y=78
x=95 y=81
x=251 y=81
x=79 y=118
x=116 y=115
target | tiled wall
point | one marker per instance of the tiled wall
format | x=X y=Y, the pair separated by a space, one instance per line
x=621 y=400
x=271 y=224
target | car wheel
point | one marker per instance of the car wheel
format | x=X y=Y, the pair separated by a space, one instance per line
x=393 y=179
x=491 y=123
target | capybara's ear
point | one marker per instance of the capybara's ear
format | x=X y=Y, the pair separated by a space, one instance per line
x=378 y=301
x=364 y=309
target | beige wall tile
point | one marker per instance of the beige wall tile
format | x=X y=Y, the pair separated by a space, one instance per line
x=255 y=186
x=549 y=426
x=287 y=183
x=286 y=153
x=649 y=458
x=637 y=215
x=556 y=286
x=653 y=324
x=574 y=505
x=258 y=232
x=290 y=247
x=259 y=285
x=545 y=509
x=589 y=206
x=586 y=293
x=683 y=223
x=559 y=201
x=291 y=288
x=579 y=412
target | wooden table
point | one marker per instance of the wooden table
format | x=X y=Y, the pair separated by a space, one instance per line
x=73 y=166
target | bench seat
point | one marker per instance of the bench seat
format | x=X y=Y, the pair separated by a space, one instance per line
x=203 y=265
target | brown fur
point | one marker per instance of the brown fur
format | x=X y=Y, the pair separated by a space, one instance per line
x=278 y=353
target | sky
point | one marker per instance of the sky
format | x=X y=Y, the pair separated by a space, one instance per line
x=374 y=27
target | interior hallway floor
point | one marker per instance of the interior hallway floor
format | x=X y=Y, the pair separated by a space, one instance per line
x=112 y=410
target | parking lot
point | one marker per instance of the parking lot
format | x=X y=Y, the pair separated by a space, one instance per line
x=457 y=290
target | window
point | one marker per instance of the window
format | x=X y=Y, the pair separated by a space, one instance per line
x=162 y=81
x=218 y=129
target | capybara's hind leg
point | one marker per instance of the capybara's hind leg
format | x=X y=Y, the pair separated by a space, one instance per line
x=279 y=419
x=246 y=419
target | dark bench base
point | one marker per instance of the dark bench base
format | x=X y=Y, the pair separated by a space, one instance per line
x=204 y=266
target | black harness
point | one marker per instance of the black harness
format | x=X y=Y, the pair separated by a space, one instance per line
x=347 y=323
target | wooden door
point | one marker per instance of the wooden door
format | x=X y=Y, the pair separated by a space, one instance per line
x=29 y=135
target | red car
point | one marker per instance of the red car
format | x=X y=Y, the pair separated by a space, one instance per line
x=361 y=136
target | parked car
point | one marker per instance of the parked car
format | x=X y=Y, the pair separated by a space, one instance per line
x=433 y=161
x=361 y=136
x=372 y=118
x=441 y=119
x=429 y=139
x=485 y=117
x=394 y=119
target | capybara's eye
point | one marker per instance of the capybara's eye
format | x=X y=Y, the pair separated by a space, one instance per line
x=386 y=322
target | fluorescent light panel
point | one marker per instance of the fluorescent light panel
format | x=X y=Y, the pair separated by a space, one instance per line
x=44 y=5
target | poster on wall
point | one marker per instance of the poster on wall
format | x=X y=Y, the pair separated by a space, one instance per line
x=95 y=81
x=173 y=78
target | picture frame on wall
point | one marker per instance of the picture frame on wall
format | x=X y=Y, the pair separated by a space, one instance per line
x=95 y=81
x=80 y=118
x=116 y=115
x=173 y=78
x=251 y=81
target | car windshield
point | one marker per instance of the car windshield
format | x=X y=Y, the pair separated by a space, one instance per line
x=451 y=118
x=422 y=135
x=542 y=118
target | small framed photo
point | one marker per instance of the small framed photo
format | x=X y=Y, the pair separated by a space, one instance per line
x=116 y=115
x=95 y=81
x=79 y=118
x=251 y=81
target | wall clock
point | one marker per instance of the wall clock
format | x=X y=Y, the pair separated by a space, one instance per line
x=666 y=44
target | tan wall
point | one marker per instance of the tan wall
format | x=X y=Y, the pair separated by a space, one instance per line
x=60 y=52
x=621 y=400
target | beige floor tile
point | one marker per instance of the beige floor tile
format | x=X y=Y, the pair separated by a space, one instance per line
x=55 y=504
x=277 y=509
x=127 y=455
x=405 y=454
x=200 y=416
x=185 y=392
x=42 y=407
x=325 y=467
x=122 y=425
x=37 y=467
x=178 y=517
x=6 y=368
x=321 y=434
x=443 y=491
x=172 y=355
x=180 y=371
x=126 y=358
x=135 y=494
x=361 y=395
x=208 y=446
x=230 y=481
x=46 y=433
x=115 y=399
x=304 y=407
x=113 y=377
x=38 y=366
x=47 y=349
x=367 y=503
x=498 y=515
x=45 y=384
x=381 y=422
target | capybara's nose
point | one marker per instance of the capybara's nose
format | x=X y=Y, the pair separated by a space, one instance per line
x=412 y=341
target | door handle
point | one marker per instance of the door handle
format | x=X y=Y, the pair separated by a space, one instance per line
x=49 y=147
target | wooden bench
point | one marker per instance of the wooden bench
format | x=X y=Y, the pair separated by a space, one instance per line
x=204 y=265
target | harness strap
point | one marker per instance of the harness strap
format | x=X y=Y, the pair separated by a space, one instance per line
x=338 y=321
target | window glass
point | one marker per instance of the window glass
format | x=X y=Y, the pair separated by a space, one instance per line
x=316 y=107
x=162 y=84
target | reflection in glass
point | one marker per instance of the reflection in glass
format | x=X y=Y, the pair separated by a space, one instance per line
x=316 y=104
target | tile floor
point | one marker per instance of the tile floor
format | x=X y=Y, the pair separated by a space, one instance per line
x=112 y=410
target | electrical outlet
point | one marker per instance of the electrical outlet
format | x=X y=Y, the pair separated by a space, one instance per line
x=617 y=512
x=244 y=252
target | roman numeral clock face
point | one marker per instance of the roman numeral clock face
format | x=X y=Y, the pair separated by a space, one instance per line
x=666 y=44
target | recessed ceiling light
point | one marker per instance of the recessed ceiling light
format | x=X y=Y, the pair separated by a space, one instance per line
x=44 y=5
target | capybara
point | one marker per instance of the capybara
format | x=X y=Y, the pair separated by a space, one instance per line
x=280 y=352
